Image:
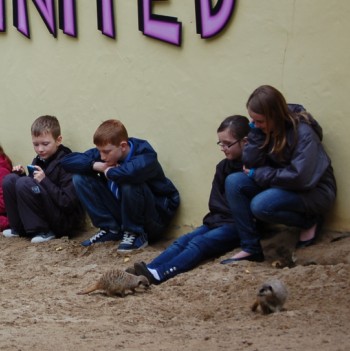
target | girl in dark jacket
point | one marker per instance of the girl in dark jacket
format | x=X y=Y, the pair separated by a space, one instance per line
x=288 y=177
x=218 y=234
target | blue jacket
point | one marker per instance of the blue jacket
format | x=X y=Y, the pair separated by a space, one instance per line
x=142 y=167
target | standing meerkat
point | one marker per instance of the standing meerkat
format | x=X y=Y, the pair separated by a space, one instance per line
x=271 y=297
x=116 y=282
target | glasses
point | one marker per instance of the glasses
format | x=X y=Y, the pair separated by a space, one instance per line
x=227 y=146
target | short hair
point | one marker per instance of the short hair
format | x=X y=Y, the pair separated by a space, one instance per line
x=46 y=124
x=237 y=125
x=112 y=132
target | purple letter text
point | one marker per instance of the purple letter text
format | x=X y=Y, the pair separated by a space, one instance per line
x=164 y=28
x=211 y=21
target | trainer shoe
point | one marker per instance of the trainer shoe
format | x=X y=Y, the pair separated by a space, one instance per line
x=42 y=237
x=10 y=233
x=141 y=269
x=101 y=236
x=132 y=241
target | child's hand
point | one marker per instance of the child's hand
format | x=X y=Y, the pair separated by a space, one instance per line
x=19 y=169
x=99 y=166
x=38 y=174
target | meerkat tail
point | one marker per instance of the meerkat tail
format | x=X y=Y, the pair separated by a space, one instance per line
x=91 y=288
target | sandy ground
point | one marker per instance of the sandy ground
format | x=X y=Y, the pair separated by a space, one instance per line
x=207 y=308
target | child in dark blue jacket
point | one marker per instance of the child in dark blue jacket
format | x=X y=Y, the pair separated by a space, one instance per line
x=123 y=188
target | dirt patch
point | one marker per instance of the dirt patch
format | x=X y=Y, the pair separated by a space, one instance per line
x=207 y=308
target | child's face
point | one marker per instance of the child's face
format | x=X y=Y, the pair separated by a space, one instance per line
x=112 y=154
x=260 y=121
x=231 y=147
x=45 y=145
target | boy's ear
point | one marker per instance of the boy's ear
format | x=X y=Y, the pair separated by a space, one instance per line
x=59 y=139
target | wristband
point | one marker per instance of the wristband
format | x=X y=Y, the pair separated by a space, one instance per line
x=251 y=173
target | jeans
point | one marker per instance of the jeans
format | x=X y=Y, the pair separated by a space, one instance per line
x=134 y=210
x=249 y=202
x=189 y=250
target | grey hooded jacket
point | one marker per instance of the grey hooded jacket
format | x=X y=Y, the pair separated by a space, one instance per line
x=304 y=168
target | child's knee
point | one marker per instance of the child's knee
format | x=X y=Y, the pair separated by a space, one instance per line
x=9 y=180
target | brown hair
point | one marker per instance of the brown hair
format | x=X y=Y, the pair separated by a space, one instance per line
x=269 y=102
x=46 y=124
x=112 y=132
x=2 y=152
x=238 y=126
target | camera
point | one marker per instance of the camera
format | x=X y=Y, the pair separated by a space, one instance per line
x=31 y=169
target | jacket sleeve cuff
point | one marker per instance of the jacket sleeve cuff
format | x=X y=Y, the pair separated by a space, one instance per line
x=251 y=173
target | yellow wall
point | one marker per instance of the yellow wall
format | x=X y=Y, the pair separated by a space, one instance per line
x=176 y=97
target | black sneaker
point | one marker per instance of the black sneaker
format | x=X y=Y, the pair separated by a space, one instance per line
x=132 y=242
x=101 y=236
x=141 y=269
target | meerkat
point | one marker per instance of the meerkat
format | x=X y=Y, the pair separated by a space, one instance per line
x=116 y=282
x=271 y=297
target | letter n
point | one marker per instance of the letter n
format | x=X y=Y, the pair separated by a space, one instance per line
x=68 y=17
x=2 y=16
x=20 y=16
x=46 y=8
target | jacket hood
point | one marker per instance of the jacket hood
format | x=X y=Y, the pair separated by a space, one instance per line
x=295 y=108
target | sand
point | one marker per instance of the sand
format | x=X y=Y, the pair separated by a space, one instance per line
x=207 y=308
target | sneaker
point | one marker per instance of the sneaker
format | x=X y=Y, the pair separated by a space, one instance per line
x=102 y=236
x=10 y=233
x=132 y=242
x=42 y=237
x=141 y=269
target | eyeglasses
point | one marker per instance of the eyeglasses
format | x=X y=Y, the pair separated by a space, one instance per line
x=227 y=146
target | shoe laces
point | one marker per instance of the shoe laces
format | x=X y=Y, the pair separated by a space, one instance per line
x=98 y=235
x=45 y=235
x=128 y=239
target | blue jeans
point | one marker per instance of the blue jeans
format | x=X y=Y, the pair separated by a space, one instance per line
x=249 y=202
x=189 y=250
x=134 y=211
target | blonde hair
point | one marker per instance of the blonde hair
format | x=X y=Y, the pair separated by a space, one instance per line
x=46 y=124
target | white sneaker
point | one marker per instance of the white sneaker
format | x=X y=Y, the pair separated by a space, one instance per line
x=41 y=238
x=10 y=233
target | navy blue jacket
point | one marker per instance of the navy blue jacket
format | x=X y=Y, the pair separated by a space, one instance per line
x=142 y=167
